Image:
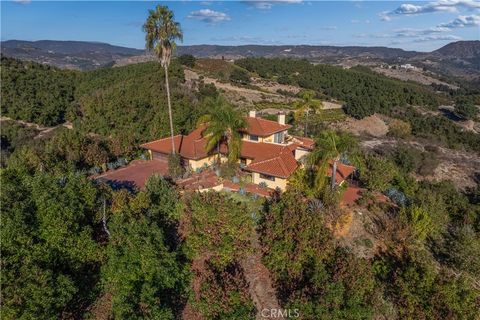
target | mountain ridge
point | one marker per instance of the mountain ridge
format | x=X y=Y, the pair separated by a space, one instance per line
x=461 y=58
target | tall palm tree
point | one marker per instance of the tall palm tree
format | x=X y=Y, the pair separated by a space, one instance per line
x=224 y=124
x=330 y=146
x=161 y=31
x=307 y=105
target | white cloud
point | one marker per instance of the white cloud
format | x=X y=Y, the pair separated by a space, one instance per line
x=265 y=5
x=209 y=16
x=438 y=38
x=409 y=32
x=463 y=21
x=22 y=1
x=360 y=21
x=436 y=6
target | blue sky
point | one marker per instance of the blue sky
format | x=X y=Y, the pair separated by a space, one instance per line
x=411 y=25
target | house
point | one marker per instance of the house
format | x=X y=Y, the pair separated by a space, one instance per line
x=269 y=154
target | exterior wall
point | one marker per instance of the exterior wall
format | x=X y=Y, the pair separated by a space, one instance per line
x=267 y=139
x=300 y=153
x=279 y=182
x=158 y=155
x=196 y=164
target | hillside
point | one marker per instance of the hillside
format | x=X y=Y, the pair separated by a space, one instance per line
x=225 y=255
x=461 y=50
x=67 y=54
x=459 y=59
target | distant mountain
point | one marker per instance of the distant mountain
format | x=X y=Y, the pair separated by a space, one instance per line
x=460 y=59
x=67 y=54
x=297 y=51
x=460 y=49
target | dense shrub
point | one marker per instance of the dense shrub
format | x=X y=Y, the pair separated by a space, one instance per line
x=187 y=60
x=363 y=91
x=36 y=93
x=239 y=76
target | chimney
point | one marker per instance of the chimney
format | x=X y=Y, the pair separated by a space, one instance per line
x=252 y=114
x=281 y=118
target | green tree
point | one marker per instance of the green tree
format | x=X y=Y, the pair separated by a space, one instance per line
x=239 y=76
x=465 y=108
x=145 y=269
x=218 y=232
x=187 y=60
x=330 y=146
x=462 y=249
x=50 y=258
x=223 y=125
x=379 y=172
x=419 y=221
x=312 y=274
x=307 y=105
x=161 y=32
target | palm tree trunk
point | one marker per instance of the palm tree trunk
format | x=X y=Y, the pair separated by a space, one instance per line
x=306 y=123
x=334 y=173
x=169 y=108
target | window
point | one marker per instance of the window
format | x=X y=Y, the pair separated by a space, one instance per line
x=267 y=177
x=243 y=161
x=278 y=137
x=253 y=137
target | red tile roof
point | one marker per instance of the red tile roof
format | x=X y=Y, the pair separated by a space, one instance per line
x=262 y=127
x=281 y=166
x=267 y=158
x=259 y=150
x=191 y=146
x=164 y=145
x=136 y=173
x=305 y=142
x=343 y=171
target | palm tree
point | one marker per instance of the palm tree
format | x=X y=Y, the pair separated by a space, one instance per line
x=161 y=31
x=224 y=124
x=307 y=105
x=330 y=146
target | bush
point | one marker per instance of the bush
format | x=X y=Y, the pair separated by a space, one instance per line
x=240 y=76
x=379 y=173
x=399 y=129
x=187 y=60
x=410 y=159
x=465 y=108
x=175 y=167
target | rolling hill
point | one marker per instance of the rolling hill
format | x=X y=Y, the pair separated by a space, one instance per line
x=459 y=59
x=67 y=54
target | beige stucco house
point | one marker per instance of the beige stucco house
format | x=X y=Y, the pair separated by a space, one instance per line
x=268 y=152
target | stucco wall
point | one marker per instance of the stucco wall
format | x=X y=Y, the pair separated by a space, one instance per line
x=195 y=164
x=300 y=153
x=279 y=182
